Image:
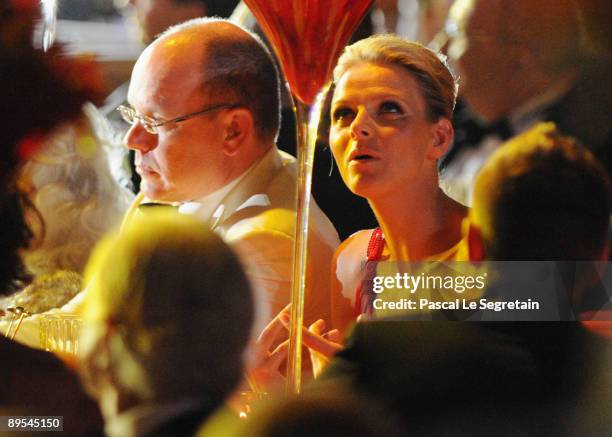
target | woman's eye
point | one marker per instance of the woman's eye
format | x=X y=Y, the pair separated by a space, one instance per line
x=340 y=114
x=390 y=108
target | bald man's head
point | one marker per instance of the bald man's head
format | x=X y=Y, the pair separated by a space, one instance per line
x=204 y=103
x=235 y=65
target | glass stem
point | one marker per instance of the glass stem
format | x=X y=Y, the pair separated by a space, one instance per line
x=307 y=121
x=305 y=157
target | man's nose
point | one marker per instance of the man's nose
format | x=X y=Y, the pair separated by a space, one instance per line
x=362 y=125
x=137 y=138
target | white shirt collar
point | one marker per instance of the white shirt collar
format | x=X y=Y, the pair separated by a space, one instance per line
x=210 y=208
x=205 y=207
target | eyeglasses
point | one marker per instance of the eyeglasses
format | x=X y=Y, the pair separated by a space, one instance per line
x=151 y=125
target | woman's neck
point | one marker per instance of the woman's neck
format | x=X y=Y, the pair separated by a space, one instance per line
x=418 y=225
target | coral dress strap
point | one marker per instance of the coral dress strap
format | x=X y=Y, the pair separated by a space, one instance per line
x=376 y=245
x=363 y=294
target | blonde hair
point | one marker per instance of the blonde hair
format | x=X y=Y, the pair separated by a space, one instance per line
x=74 y=190
x=436 y=81
x=169 y=286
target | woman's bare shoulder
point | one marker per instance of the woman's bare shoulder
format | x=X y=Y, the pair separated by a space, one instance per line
x=350 y=256
x=356 y=245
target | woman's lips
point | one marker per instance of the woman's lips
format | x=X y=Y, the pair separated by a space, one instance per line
x=362 y=157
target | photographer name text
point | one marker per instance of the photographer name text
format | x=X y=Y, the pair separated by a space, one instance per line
x=456 y=304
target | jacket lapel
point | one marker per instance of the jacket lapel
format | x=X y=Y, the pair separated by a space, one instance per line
x=250 y=191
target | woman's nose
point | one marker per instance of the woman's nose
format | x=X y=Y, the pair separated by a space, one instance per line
x=362 y=127
x=137 y=138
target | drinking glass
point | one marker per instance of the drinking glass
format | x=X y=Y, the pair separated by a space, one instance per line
x=59 y=333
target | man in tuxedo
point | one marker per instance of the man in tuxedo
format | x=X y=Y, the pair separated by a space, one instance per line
x=204 y=115
x=521 y=62
x=504 y=378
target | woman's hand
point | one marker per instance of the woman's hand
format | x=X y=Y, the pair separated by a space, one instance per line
x=321 y=345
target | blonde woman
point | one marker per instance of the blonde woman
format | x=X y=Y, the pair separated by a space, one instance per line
x=390 y=123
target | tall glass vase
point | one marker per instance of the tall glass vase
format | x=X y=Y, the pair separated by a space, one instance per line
x=307 y=37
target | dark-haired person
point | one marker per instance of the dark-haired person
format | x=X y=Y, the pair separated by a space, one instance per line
x=42 y=90
x=541 y=197
x=544 y=197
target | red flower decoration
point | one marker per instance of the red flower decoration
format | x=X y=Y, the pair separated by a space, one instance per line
x=29 y=145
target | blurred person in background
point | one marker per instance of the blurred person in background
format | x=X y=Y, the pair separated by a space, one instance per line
x=520 y=62
x=327 y=411
x=71 y=185
x=155 y=16
x=542 y=179
x=167 y=318
x=432 y=17
x=43 y=90
x=541 y=196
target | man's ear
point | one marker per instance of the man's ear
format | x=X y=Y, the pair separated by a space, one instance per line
x=442 y=135
x=475 y=244
x=239 y=126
